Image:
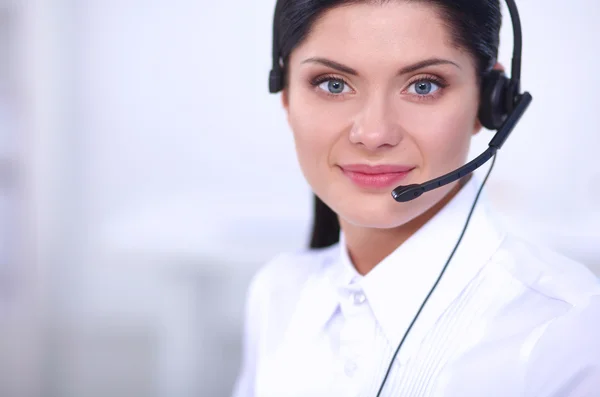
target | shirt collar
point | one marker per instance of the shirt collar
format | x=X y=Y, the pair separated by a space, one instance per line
x=317 y=301
x=398 y=285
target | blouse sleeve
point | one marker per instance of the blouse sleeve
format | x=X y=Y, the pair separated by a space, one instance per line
x=566 y=359
x=244 y=385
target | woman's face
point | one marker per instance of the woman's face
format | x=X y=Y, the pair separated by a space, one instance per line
x=379 y=96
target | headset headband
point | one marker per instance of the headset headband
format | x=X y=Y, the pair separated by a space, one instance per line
x=276 y=73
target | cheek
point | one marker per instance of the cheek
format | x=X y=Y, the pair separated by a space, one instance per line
x=444 y=135
x=317 y=129
x=310 y=141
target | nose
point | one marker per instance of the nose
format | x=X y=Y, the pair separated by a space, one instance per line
x=377 y=125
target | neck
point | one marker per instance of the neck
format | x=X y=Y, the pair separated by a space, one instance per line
x=369 y=246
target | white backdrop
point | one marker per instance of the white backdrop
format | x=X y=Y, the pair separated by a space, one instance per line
x=145 y=254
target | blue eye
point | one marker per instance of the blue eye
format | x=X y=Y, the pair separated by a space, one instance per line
x=334 y=86
x=423 y=87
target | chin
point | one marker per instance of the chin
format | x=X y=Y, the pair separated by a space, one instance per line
x=379 y=211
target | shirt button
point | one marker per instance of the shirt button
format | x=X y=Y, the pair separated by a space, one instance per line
x=350 y=368
x=358 y=298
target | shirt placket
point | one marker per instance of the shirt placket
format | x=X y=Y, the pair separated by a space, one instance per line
x=356 y=340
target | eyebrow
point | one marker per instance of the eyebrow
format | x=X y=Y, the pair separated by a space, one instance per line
x=407 y=69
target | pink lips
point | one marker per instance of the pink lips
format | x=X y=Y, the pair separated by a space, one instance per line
x=373 y=177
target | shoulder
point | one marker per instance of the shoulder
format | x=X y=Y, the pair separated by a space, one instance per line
x=271 y=297
x=276 y=287
x=564 y=358
x=546 y=272
x=565 y=361
x=288 y=271
x=269 y=301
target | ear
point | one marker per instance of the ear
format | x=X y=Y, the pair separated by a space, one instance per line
x=499 y=66
x=285 y=102
x=477 y=127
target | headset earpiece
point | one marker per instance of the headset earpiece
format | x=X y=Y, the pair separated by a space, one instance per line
x=275 y=80
x=276 y=74
x=496 y=95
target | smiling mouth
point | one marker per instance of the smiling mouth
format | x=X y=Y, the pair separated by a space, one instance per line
x=376 y=177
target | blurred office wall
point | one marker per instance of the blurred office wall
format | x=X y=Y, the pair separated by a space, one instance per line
x=125 y=257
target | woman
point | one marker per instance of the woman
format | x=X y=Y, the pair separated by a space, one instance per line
x=378 y=94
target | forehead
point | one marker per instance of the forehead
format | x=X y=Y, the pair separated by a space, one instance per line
x=394 y=32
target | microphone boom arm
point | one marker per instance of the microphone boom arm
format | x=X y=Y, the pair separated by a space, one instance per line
x=410 y=192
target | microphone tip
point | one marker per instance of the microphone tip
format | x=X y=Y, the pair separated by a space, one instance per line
x=407 y=193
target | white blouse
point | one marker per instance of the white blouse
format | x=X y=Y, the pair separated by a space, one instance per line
x=507 y=319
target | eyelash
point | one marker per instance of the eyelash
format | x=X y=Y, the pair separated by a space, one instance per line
x=426 y=78
x=441 y=83
x=316 y=82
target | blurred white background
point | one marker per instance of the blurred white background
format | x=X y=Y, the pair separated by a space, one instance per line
x=124 y=261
